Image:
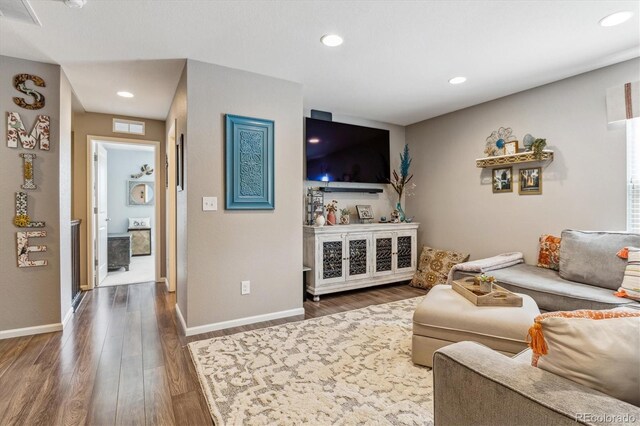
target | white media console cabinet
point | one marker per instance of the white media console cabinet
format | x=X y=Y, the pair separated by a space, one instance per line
x=346 y=257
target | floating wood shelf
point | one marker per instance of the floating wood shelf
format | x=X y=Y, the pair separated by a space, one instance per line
x=521 y=157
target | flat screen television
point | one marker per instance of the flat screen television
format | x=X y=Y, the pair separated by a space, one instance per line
x=339 y=152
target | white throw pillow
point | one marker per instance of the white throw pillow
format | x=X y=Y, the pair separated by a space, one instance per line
x=602 y=354
x=139 y=222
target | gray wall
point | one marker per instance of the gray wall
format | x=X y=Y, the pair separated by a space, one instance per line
x=31 y=296
x=120 y=165
x=226 y=247
x=178 y=115
x=382 y=204
x=66 y=100
x=583 y=188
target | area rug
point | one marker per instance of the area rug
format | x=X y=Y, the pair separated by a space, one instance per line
x=349 y=368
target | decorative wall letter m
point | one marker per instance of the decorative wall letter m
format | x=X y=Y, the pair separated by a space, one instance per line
x=17 y=132
x=250 y=171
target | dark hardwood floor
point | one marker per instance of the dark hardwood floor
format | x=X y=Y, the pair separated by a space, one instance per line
x=121 y=360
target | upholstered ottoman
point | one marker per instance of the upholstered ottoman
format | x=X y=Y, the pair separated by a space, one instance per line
x=445 y=317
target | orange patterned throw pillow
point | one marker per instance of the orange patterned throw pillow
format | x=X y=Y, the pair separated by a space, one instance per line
x=598 y=349
x=434 y=266
x=549 y=254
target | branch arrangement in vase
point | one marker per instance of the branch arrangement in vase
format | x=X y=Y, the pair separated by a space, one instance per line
x=400 y=181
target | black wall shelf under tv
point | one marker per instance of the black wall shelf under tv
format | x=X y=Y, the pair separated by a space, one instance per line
x=342 y=189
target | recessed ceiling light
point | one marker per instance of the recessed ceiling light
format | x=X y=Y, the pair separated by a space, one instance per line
x=331 y=40
x=75 y=4
x=616 y=18
x=458 y=80
x=314 y=140
x=125 y=94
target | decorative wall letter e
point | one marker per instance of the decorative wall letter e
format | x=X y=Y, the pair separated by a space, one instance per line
x=24 y=249
x=16 y=131
x=38 y=98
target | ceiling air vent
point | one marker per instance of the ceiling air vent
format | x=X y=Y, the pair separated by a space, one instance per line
x=19 y=10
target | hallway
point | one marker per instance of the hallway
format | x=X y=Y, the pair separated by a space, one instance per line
x=119 y=361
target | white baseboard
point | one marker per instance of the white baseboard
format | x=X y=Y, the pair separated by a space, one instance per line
x=67 y=317
x=28 y=331
x=183 y=324
x=191 y=331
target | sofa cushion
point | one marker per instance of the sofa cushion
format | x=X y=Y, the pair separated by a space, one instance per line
x=434 y=266
x=590 y=257
x=598 y=349
x=553 y=293
x=549 y=252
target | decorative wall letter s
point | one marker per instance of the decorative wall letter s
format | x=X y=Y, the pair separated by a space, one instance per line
x=24 y=248
x=16 y=131
x=19 y=82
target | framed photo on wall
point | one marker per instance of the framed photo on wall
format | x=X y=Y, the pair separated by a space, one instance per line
x=531 y=181
x=180 y=163
x=502 y=180
x=511 y=148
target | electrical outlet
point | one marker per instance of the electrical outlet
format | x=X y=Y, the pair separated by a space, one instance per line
x=246 y=287
x=209 y=203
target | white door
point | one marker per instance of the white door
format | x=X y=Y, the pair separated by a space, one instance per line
x=358 y=253
x=331 y=259
x=405 y=251
x=101 y=217
x=383 y=251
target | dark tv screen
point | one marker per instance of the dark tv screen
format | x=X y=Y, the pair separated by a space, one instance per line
x=338 y=152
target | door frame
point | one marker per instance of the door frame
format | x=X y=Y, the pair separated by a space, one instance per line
x=91 y=230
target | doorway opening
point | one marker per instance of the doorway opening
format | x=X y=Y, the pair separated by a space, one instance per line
x=123 y=179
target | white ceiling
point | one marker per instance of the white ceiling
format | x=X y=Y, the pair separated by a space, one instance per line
x=393 y=66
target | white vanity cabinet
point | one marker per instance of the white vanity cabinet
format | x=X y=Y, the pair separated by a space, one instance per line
x=345 y=257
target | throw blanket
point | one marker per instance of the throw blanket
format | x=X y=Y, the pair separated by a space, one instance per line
x=489 y=264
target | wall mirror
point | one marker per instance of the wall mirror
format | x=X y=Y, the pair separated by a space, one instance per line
x=140 y=193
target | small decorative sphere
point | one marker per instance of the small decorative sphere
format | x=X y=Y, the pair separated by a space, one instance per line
x=500 y=143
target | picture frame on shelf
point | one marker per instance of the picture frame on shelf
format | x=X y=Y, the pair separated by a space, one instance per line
x=511 y=148
x=365 y=212
x=502 y=180
x=530 y=182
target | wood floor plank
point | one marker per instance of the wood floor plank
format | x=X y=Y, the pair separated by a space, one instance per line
x=188 y=411
x=130 y=410
x=157 y=397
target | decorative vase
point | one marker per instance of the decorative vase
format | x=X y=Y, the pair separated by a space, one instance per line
x=331 y=218
x=320 y=220
x=486 y=286
x=401 y=214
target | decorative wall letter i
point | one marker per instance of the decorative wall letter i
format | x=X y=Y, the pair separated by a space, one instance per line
x=27 y=171
x=16 y=131
x=38 y=98
x=22 y=219
x=24 y=248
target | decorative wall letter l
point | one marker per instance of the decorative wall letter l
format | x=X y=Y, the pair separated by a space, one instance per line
x=24 y=249
x=16 y=131
x=22 y=219
x=38 y=98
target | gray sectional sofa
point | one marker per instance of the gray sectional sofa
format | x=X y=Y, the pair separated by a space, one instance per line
x=590 y=272
x=499 y=390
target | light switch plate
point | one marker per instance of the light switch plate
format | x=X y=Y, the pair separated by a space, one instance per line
x=209 y=203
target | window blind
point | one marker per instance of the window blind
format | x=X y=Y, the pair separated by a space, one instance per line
x=633 y=175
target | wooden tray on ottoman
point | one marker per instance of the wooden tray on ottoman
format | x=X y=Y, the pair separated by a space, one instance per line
x=498 y=297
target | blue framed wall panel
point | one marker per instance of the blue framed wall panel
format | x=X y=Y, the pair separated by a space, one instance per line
x=249 y=163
